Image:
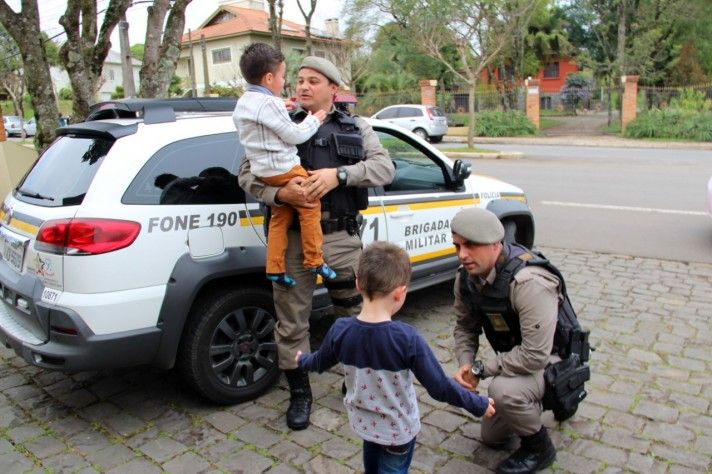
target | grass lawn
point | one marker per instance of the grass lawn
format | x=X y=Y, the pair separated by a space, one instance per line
x=65 y=108
x=546 y=122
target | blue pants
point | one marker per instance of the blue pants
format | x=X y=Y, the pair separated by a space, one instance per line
x=380 y=459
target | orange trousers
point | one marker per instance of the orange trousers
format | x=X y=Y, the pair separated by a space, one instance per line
x=309 y=221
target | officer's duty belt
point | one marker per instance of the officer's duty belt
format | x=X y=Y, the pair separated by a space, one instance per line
x=329 y=226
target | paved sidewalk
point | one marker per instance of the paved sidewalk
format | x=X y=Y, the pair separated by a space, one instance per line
x=648 y=408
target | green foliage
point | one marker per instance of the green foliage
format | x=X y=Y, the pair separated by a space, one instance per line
x=503 y=124
x=690 y=99
x=137 y=51
x=175 y=87
x=576 y=91
x=65 y=93
x=372 y=102
x=672 y=124
x=226 y=91
x=118 y=93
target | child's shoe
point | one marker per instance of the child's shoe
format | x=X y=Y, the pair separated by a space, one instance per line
x=324 y=271
x=281 y=279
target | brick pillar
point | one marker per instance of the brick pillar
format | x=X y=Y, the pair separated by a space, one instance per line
x=630 y=100
x=532 y=86
x=427 y=92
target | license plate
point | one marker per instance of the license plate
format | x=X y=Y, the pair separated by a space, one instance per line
x=50 y=296
x=13 y=251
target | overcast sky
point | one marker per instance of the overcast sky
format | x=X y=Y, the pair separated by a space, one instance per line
x=196 y=13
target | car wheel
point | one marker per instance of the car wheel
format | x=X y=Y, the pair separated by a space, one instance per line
x=436 y=139
x=510 y=231
x=228 y=353
x=421 y=133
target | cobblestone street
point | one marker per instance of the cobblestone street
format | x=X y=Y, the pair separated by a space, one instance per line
x=648 y=408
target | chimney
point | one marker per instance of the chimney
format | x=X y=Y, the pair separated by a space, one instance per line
x=249 y=4
x=332 y=27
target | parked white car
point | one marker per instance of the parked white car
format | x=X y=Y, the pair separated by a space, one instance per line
x=429 y=123
x=30 y=127
x=709 y=197
x=13 y=125
x=130 y=242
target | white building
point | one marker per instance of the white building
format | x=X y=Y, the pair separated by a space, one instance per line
x=112 y=76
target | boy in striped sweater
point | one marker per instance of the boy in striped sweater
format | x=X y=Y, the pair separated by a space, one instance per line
x=270 y=137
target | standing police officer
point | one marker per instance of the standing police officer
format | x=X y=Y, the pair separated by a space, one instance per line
x=343 y=158
x=500 y=290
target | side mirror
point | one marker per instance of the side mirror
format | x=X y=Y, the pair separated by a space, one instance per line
x=460 y=172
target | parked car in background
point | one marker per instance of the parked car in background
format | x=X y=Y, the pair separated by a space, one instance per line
x=709 y=197
x=428 y=122
x=30 y=127
x=13 y=125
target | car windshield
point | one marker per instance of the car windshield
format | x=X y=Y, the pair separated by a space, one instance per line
x=62 y=175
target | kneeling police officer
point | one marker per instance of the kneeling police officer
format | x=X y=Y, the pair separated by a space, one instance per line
x=515 y=303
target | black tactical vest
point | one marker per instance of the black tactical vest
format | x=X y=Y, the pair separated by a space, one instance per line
x=338 y=142
x=492 y=304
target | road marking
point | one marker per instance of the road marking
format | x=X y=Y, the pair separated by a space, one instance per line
x=624 y=208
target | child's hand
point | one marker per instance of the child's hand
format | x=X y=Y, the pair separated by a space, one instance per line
x=290 y=104
x=299 y=354
x=489 y=413
x=319 y=114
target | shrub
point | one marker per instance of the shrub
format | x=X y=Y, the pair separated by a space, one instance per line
x=503 y=124
x=226 y=91
x=576 y=91
x=672 y=124
x=65 y=93
x=118 y=93
x=690 y=99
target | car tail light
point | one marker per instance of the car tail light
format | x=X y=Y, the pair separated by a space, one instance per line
x=86 y=236
x=430 y=113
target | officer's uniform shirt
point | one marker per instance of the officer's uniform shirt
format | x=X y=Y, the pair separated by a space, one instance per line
x=375 y=170
x=535 y=296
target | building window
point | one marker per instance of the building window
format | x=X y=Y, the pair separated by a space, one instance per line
x=111 y=74
x=551 y=71
x=221 y=56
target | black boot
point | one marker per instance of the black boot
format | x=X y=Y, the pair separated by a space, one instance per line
x=535 y=453
x=300 y=399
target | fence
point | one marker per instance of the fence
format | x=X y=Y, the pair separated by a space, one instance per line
x=662 y=97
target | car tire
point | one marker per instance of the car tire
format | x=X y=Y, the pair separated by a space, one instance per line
x=436 y=139
x=227 y=352
x=421 y=133
x=510 y=231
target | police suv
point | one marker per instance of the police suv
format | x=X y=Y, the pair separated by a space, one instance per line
x=130 y=242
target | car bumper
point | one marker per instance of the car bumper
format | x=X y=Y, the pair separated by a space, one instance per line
x=80 y=350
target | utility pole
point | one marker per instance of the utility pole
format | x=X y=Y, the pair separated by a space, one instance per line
x=206 y=79
x=126 y=65
x=191 y=66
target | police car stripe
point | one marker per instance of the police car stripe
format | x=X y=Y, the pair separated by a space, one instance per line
x=437 y=255
x=23 y=222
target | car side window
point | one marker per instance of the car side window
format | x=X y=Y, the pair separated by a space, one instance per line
x=409 y=112
x=388 y=114
x=416 y=171
x=199 y=170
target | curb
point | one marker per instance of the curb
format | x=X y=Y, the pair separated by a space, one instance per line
x=495 y=155
x=604 y=141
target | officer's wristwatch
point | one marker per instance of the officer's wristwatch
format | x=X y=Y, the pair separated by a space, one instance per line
x=478 y=369
x=342 y=175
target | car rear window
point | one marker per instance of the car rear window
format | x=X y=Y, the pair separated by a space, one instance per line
x=436 y=112
x=64 y=172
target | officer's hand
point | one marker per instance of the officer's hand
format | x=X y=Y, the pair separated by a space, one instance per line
x=464 y=377
x=299 y=354
x=319 y=183
x=293 y=194
x=489 y=413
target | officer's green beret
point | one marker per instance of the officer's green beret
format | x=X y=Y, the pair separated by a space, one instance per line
x=324 y=66
x=477 y=225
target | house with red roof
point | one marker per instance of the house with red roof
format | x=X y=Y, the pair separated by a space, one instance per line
x=236 y=24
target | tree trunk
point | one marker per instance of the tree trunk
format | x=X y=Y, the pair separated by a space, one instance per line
x=276 y=10
x=24 y=27
x=307 y=23
x=162 y=48
x=84 y=53
x=471 y=109
x=622 y=15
